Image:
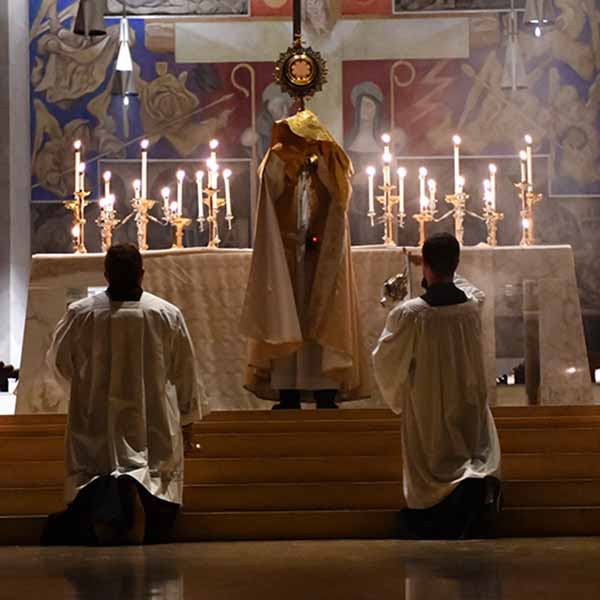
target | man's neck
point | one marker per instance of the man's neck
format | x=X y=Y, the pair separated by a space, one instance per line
x=124 y=295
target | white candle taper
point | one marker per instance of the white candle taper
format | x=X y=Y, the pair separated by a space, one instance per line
x=144 y=144
x=81 y=177
x=401 y=177
x=487 y=193
x=77 y=146
x=456 y=141
x=165 y=193
x=137 y=188
x=432 y=185
x=213 y=145
x=387 y=159
x=529 y=152
x=493 y=170
x=106 y=176
x=371 y=174
x=110 y=203
x=199 y=185
x=180 y=178
x=226 y=176
x=523 y=157
x=423 y=200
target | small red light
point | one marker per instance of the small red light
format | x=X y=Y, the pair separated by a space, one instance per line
x=315 y=239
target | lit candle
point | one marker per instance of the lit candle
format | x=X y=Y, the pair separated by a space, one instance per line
x=401 y=178
x=371 y=174
x=180 y=178
x=422 y=196
x=199 y=180
x=173 y=207
x=106 y=176
x=457 y=141
x=137 y=188
x=493 y=170
x=226 y=176
x=523 y=157
x=529 y=142
x=432 y=189
x=77 y=146
x=461 y=184
x=165 y=193
x=487 y=192
x=525 y=224
x=144 y=146
x=213 y=145
x=82 y=177
x=110 y=203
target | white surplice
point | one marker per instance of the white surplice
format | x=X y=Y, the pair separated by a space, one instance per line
x=133 y=385
x=429 y=367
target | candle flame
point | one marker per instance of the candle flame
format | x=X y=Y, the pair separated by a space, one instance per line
x=528 y=140
x=386 y=138
x=173 y=206
x=165 y=193
x=213 y=144
x=402 y=172
x=371 y=171
x=422 y=172
x=199 y=175
x=106 y=176
x=180 y=175
x=523 y=155
x=387 y=157
x=77 y=144
x=525 y=223
x=493 y=169
x=75 y=231
x=432 y=185
x=81 y=167
x=144 y=144
x=456 y=139
x=227 y=173
x=137 y=184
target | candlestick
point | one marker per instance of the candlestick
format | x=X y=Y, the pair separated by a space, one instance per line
x=523 y=157
x=107 y=220
x=456 y=141
x=199 y=181
x=371 y=173
x=529 y=155
x=165 y=193
x=226 y=176
x=137 y=188
x=81 y=176
x=180 y=178
x=493 y=170
x=107 y=177
x=401 y=178
x=77 y=146
x=144 y=144
x=432 y=189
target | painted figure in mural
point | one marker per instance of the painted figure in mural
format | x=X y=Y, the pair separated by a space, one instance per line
x=276 y=105
x=300 y=313
x=365 y=136
x=179 y=7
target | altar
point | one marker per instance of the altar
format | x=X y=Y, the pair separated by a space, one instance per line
x=532 y=312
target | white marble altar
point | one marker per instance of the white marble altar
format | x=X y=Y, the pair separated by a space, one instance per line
x=208 y=286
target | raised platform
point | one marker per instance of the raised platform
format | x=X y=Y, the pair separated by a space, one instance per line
x=321 y=474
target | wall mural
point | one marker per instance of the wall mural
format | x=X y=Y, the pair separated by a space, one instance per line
x=179 y=7
x=422 y=102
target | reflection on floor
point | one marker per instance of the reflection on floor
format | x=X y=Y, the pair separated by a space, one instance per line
x=491 y=570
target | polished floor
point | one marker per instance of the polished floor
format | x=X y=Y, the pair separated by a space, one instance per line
x=381 y=570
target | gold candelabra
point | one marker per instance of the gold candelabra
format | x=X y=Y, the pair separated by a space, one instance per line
x=491 y=217
x=177 y=221
x=529 y=199
x=422 y=218
x=77 y=207
x=213 y=203
x=107 y=221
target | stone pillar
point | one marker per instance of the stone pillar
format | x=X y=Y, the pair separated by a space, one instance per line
x=15 y=176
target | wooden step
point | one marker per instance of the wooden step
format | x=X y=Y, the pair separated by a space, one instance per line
x=568 y=492
x=555 y=465
x=563 y=439
x=550 y=521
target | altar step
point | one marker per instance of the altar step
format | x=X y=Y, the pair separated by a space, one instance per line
x=321 y=474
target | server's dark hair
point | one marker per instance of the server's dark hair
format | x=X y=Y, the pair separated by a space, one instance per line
x=123 y=266
x=441 y=252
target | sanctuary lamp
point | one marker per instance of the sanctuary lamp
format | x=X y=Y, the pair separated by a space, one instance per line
x=389 y=199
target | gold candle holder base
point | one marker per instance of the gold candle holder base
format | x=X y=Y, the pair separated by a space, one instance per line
x=77 y=207
x=214 y=204
x=387 y=201
x=491 y=218
x=422 y=219
x=179 y=224
x=529 y=199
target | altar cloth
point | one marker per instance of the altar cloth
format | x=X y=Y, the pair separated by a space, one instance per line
x=208 y=285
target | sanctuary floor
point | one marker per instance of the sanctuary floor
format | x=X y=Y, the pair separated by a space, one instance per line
x=479 y=570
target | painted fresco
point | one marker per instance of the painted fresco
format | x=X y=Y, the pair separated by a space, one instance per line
x=179 y=7
x=459 y=5
x=422 y=102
